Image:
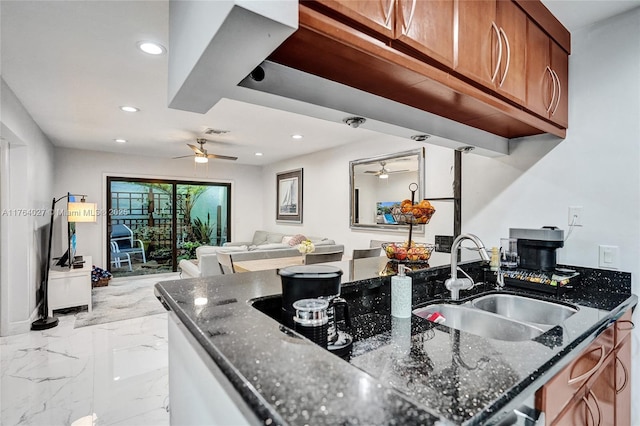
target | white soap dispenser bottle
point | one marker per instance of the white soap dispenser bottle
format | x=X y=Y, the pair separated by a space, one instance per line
x=401 y=293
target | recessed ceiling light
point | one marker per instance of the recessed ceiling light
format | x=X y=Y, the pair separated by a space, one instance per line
x=121 y=140
x=151 y=47
x=126 y=108
x=258 y=154
x=296 y=136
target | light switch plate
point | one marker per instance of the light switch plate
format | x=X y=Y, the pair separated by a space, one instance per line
x=609 y=257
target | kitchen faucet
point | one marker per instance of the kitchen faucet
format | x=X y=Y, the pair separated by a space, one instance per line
x=455 y=284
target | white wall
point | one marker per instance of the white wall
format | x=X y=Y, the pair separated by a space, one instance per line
x=326 y=191
x=26 y=191
x=597 y=166
x=85 y=172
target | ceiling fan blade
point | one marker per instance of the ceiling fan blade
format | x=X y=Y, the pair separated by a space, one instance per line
x=195 y=149
x=222 y=157
x=372 y=171
x=184 y=156
x=398 y=171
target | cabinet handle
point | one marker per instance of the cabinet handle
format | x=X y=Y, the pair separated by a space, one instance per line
x=627 y=322
x=584 y=376
x=555 y=76
x=595 y=401
x=553 y=96
x=413 y=11
x=626 y=376
x=495 y=72
x=506 y=69
x=387 y=20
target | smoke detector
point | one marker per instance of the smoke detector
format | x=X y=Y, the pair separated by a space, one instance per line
x=354 y=122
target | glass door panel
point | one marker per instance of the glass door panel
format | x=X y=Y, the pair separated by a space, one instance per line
x=147 y=235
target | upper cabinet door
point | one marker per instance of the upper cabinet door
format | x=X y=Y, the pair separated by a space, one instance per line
x=511 y=80
x=548 y=77
x=427 y=27
x=560 y=67
x=540 y=80
x=377 y=15
x=492 y=45
x=477 y=52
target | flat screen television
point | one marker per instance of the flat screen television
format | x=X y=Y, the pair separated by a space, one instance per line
x=69 y=255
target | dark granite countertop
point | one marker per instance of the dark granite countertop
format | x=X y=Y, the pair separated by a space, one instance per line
x=400 y=372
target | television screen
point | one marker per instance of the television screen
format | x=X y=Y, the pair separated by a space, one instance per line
x=68 y=257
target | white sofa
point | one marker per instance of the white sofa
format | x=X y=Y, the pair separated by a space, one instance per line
x=264 y=245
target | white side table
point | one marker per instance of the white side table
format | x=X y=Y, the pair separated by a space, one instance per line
x=70 y=287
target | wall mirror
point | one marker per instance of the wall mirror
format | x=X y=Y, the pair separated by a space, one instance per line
x=378 y=183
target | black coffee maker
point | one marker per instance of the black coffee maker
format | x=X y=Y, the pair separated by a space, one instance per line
x=318 y=282
x=537 y=247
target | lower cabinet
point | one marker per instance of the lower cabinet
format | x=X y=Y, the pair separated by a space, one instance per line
x=594 y=390
x=623 y=382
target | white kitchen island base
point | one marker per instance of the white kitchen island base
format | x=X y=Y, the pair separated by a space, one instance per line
x=199 y=392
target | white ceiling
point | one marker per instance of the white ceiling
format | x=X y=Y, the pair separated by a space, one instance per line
x=73 y=63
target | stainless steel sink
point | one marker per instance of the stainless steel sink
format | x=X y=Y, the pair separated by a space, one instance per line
x=524 y=308
x=481 y=323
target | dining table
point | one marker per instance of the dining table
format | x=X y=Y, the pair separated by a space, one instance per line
x=266 y=264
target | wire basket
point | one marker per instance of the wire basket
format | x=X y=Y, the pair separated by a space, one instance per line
x=416 y=214
x=402 y=252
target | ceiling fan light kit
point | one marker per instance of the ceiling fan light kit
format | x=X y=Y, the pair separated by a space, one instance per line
x=201 y=155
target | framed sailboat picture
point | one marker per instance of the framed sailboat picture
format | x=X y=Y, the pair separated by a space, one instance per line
x=289 y=196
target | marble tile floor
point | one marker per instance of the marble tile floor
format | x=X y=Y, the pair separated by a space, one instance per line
x=108 y=374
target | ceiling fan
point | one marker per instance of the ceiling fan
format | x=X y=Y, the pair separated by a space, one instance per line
x=201 y=155
x=383 y=173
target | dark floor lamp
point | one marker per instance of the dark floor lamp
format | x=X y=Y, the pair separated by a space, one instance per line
x=76 y=212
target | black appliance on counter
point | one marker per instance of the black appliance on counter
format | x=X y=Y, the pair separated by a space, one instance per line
x=317 y=282
x=537 y=247
x=537 y=261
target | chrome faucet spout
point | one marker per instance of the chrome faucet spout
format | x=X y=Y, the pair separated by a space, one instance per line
x=455 y=284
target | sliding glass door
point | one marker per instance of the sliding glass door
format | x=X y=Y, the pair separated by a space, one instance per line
x=153 y=224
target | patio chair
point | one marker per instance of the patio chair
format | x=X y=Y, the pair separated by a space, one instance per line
x=370 y=252
x=226 y=263
x=117 y=257
x=331 y=256
x=122 y=236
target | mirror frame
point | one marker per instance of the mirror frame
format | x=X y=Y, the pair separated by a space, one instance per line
x=420 y=154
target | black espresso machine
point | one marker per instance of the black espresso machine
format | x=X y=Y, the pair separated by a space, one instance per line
x=537 y=261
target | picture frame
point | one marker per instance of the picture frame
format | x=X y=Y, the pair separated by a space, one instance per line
x=289 y=196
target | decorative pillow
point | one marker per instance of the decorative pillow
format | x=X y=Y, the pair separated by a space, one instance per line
x=297 y=239
x=287 y=239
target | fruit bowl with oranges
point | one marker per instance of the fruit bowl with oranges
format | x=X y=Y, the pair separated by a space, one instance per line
x=418 y=213
x=405 y=252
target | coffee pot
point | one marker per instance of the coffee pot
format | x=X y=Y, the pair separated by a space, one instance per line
x=318 y=282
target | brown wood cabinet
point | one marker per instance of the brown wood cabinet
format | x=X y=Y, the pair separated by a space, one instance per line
x=376 y=15
x=426 y=27
x=594 y=389
x=491 y=45
x=623 y=383
x=548 y=76
x=596 y=406
x=468 y=61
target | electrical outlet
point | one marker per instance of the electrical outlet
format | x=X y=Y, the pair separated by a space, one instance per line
x=609 y=257
x=575 y=216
